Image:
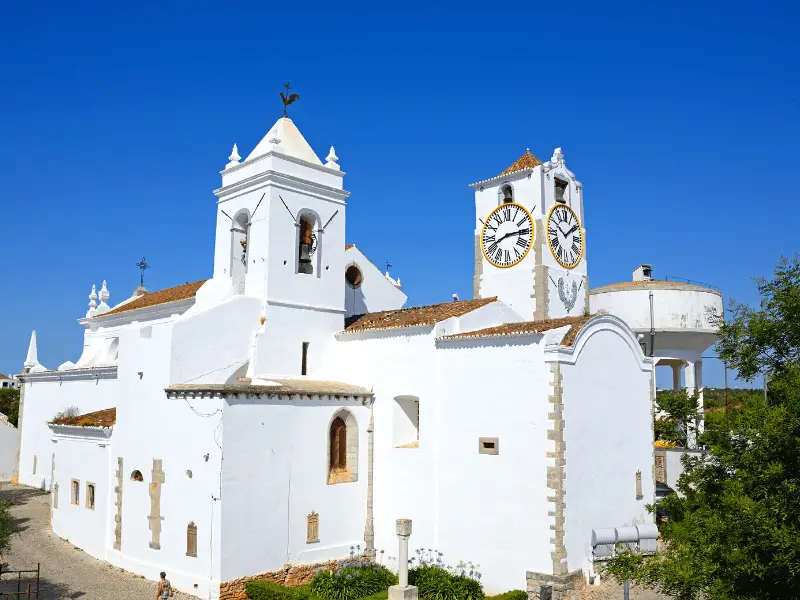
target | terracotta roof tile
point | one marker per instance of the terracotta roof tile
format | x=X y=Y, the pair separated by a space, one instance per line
x=511 y=329
x=409 y=317
x=100 y=418
x=179 y=292
x=349 y=246
x=526 y=161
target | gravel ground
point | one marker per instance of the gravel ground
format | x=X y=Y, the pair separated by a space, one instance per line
x=66 y=572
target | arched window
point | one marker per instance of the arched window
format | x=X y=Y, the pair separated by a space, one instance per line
x=338 y=454
x=562 y=190
x=508 y=193
x=307 y=244
x=137 y=476
x=343 y=448
x=239 y=233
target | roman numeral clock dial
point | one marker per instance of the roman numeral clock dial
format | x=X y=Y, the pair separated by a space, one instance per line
x=564 y=236
x=507 y=235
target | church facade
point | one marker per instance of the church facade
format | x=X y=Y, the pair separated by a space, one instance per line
x=290 y=408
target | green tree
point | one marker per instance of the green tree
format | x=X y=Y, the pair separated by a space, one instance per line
x=733 y=531
x=680 y=415
x=9 y=404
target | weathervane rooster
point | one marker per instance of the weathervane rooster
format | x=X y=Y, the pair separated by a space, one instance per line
x=288 y=98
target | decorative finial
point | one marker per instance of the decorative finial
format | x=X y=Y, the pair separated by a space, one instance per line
x=332 y=160
x=103 y=307
x=142 y=264
x=288 y=98
x=558 y=157
x=92 y=304
x=234 y=158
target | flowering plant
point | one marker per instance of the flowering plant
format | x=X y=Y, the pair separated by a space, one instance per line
x=438 y=581
x=354 y=577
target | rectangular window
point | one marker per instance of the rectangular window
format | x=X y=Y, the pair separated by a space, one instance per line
x=405 y=429
x=90 y=495
x=76 y=492
x=488 y=445
x=304 y=365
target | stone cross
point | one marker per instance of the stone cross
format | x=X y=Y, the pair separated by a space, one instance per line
x=403 y=591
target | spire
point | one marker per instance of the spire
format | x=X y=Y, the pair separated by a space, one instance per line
x=284 y=137
x=332 y=160
x=92 y=304
x=104 y=296
x=32 y=359
x=234 y=158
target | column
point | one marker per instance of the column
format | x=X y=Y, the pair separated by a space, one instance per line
x=403 y=591
x=698 y=381
x=676 y=375
x=691 y=437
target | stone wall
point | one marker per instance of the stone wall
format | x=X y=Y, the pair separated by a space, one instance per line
x=290 y=576
x=542 y=586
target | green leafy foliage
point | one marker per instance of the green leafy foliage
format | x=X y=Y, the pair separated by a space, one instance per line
x=681 y=415
x=267 y=590
x=9 y=404
x=7 y=528
x=733 y=531
x=352 y=579
x=512 y=595
x=436 y=581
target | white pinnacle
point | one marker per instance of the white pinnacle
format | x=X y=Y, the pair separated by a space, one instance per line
x=332 y=160
x=32 y=359
x=104 y=296
x=234 y=158
x=92 y=304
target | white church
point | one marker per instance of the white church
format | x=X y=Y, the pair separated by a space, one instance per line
x=290 y=407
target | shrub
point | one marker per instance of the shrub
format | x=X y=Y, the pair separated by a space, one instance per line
x=353 y=578
x=512 y=595
x=268 y=590
x=6 y=526
x=68 y=412
x=435 y=581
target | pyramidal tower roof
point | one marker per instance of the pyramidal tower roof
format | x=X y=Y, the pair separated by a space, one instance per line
x=285 y=137
x=526 y=161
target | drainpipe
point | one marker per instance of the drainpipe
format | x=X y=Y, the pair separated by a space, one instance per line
x=652 y=327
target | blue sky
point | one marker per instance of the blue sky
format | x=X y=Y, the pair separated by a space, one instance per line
x=681 y=121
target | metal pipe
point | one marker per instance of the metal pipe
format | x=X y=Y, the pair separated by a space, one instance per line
x=626 y=590
x=652 y=326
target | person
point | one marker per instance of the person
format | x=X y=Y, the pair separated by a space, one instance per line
x=164 y=587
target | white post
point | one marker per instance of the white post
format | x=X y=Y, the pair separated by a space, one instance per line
x=403 y=591
x=676 y=376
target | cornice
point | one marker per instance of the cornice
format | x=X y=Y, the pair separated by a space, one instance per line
x=271 y=175
x=294 y=159
x=508 y=176
x=146 y=313
x=399 y=329
x=89 y=373
x=97 y=435
x=265 y=394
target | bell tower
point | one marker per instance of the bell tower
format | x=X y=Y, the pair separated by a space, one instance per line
x=280 y=237
x=541 y=275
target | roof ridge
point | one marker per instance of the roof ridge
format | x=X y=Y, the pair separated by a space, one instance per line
x=428 y=314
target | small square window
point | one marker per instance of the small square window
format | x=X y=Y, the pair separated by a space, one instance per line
x=488 y=445
x=76 y=492
x=90 y=496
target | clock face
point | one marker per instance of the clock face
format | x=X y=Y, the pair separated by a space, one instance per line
x=564 y=236
x=507 y=235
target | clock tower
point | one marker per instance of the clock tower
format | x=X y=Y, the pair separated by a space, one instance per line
x=530 y=240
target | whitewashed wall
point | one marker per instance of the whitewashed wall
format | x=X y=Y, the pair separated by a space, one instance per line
x=275 y=474
x=84 y=454
x=8 y=450
x=376 y=293
x=492 y=509
x=186 y=435
x=47 y=394
x=608 y=433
